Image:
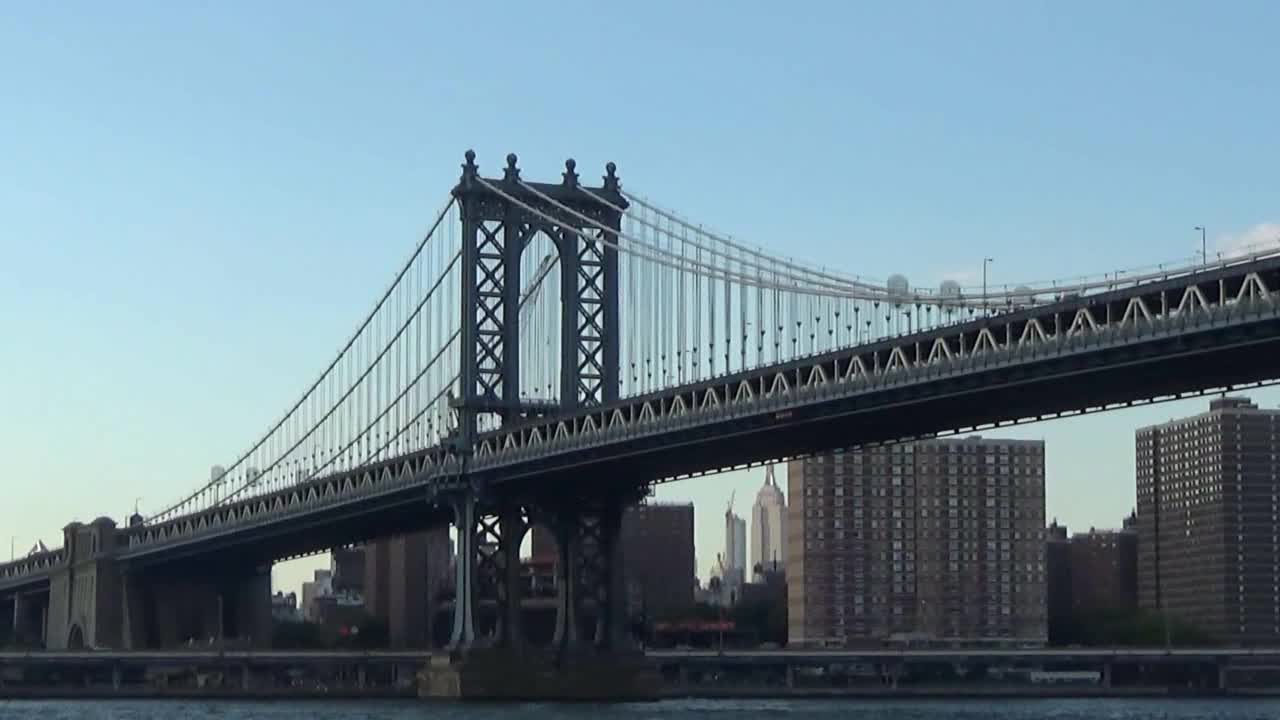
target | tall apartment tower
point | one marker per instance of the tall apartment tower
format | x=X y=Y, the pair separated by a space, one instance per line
x=769 y=525
x=1208 y=546
x=936 y=541
x=658 y=554
x=402 y=578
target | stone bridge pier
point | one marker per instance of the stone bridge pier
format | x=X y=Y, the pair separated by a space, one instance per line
x=96 y=600
x=23 y=617
x=222 y=606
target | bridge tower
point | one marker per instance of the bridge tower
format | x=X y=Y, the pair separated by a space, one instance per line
x=500 y=218
x=498 y=222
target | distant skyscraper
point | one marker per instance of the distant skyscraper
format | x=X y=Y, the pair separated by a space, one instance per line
x=732 y=565
x=215 y=474
x=1208 y=534
x=769 y=525
x=735 y=551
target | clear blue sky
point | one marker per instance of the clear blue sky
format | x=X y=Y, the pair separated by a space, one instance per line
x=199 y=201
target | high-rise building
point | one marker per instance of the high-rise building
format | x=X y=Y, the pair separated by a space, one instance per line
x=658 y=554
x=321 y=586
x=402 y=577
x=348 y=568
x=1208 y=534
x=1088 y=574
x=769 y=525
x=377 y=579
x=1057 y=566
x=938 y=540
x=734 y=561
x=542 y=545
x=220 y=485
x=1104 y=570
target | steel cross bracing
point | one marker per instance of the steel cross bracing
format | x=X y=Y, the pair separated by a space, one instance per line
x=495 y=233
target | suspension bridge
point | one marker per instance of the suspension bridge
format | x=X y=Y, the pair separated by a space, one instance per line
x=550 y=350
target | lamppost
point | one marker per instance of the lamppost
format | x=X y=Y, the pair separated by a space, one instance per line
x=985 y=261
x=1204 y=248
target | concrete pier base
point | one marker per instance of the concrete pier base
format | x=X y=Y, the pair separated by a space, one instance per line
x=510 y=675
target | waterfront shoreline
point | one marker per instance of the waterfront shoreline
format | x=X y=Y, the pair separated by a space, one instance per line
x=703 y=693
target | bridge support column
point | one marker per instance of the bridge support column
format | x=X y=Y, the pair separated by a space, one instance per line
x=1107 y=667
x=138 y=622
x=512 y=527
x=252 y=605
x=601 y=575
x=30 y=616
x=568 y=548
x=464 y=624
x=591 y=576
x=14 y=634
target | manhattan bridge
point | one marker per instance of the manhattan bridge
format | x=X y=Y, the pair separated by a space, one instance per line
x=550 y=350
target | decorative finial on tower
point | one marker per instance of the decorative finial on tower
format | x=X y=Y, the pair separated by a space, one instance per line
x=470 y=170
x=611 y=183
x=512 y=173
x=570 y=174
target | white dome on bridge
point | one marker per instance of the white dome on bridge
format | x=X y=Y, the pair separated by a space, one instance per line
x=1023 y=296
x=949 y=289
x=899 y=288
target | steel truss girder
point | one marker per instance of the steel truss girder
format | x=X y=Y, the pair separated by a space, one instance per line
x=1171 y=306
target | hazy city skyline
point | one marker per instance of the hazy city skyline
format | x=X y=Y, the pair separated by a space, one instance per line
x=190 y=238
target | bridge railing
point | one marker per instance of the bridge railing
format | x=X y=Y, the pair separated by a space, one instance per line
x=383 y=477
x=34 y=564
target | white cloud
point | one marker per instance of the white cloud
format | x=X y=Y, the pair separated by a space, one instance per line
x=1263 y=236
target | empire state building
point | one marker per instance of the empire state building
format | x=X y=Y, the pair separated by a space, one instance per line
x=769 y=525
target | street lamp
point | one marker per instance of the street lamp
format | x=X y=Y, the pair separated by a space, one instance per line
x=985 y=262
x=1204 y=249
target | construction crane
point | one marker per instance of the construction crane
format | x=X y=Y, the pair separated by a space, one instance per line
x=534 y=288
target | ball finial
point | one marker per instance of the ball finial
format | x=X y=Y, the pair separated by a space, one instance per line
x=470 y=155
x=570 y=174
x=511 y=160
x=611 y=177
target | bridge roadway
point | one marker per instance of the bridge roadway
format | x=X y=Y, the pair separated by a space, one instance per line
x=1211 y=330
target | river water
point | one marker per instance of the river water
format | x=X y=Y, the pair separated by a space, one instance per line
x=669 y=710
